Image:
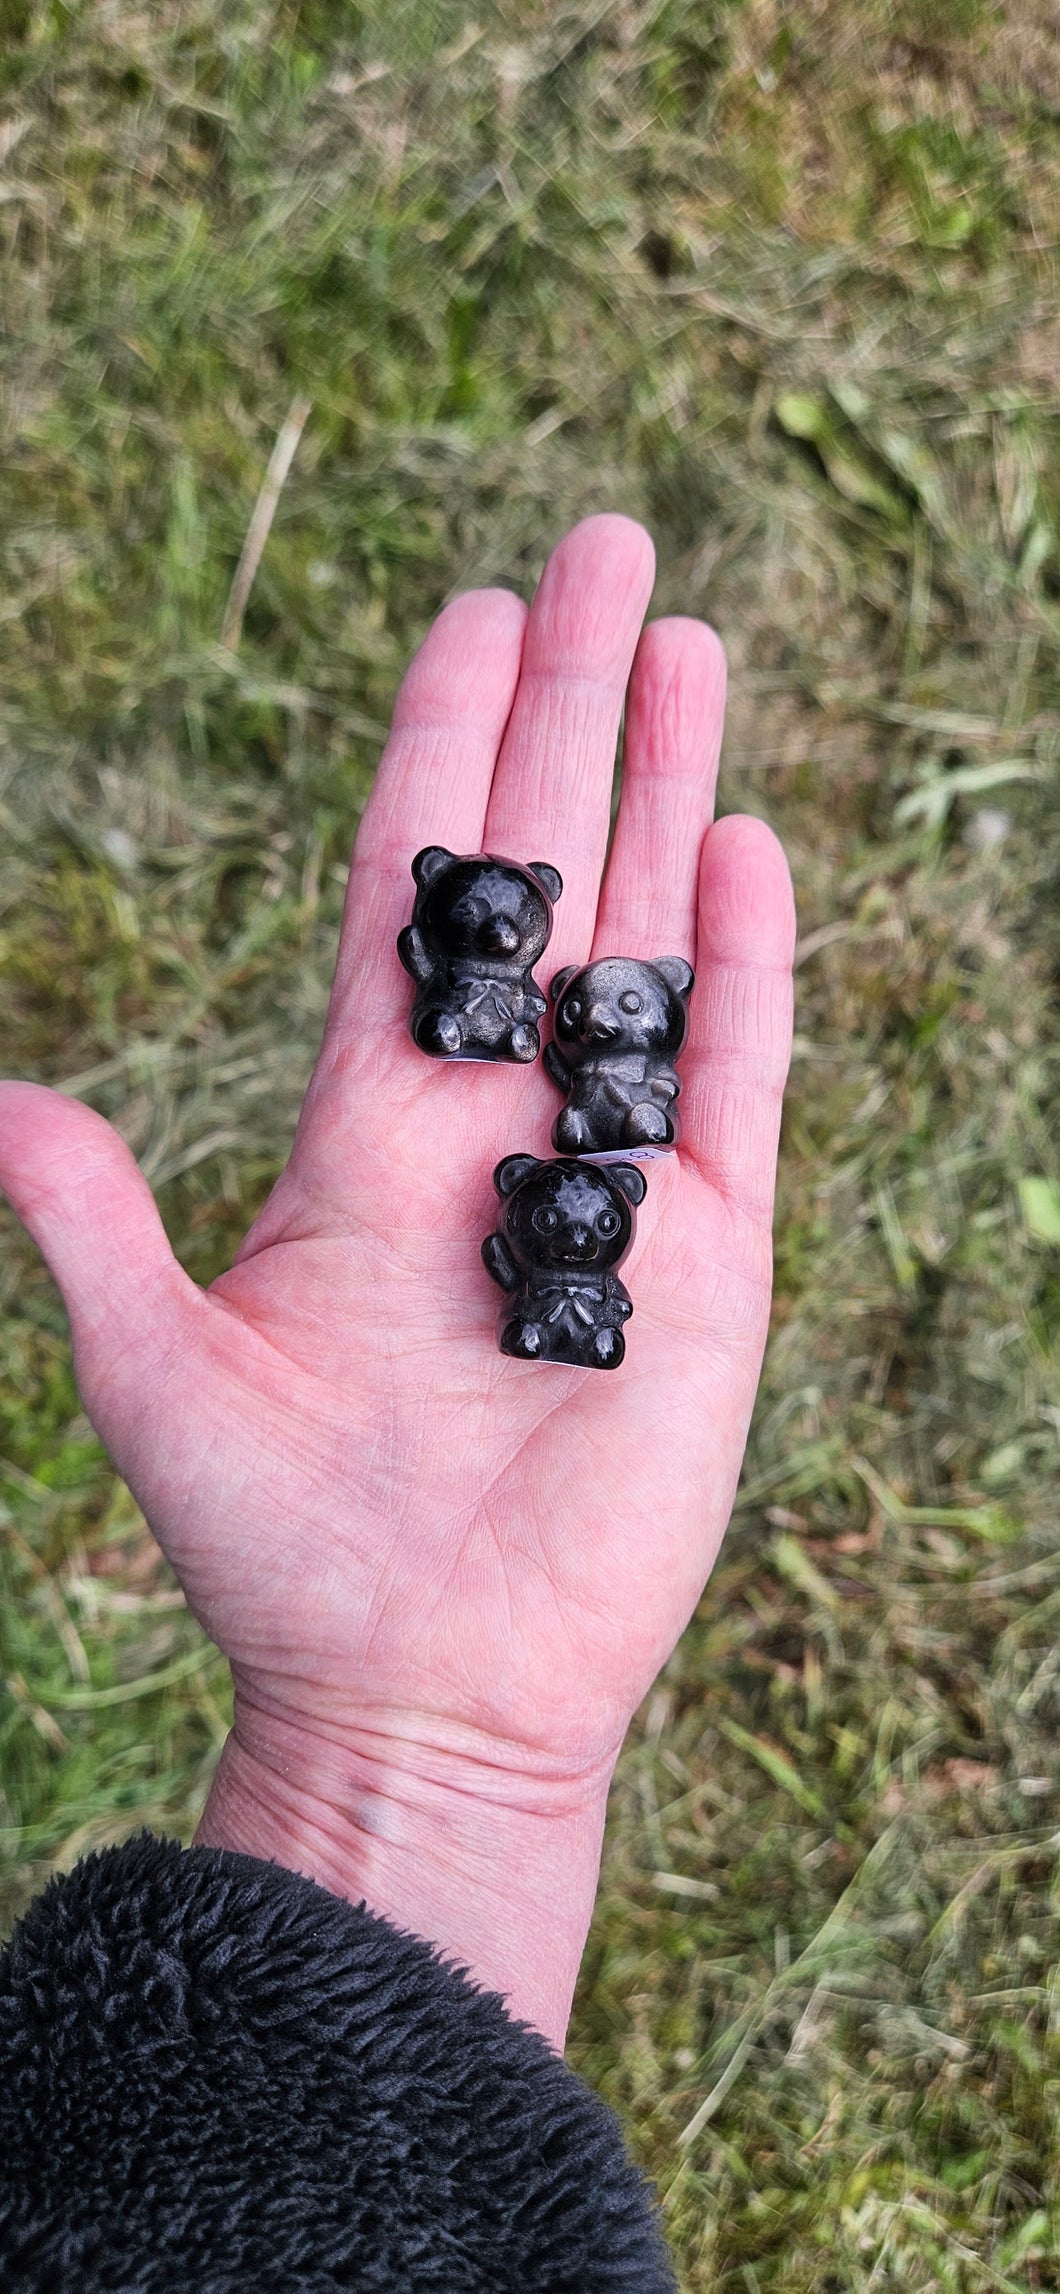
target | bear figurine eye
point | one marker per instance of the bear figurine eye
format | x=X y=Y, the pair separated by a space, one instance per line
x=608 y=1223
x=572 y=1013
x=630 y=1002
x=545 y=1220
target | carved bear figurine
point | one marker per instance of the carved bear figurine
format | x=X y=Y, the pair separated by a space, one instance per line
x=478 y=925
x=620 y=1025
x=566 y=1227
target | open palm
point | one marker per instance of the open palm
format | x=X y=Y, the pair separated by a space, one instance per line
x=411 y=1548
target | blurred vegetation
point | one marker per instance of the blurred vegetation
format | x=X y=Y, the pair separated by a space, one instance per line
x=780 y=279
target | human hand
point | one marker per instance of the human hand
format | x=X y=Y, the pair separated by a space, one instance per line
x=444 y=1579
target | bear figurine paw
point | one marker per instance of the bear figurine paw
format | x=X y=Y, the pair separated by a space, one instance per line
x=572 y=1132
x=647 y=1125
x=438 y=1033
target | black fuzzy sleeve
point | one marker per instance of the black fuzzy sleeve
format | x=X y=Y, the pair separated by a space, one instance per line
x=215 y=2075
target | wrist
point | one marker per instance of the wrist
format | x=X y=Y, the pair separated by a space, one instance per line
x=488 y=1853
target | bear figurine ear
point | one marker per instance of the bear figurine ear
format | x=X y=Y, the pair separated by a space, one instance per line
x=562 y=980
x=677 y=974
x=430 y=862
x=548 y=877
x=631 y=1180
x=510 y=1174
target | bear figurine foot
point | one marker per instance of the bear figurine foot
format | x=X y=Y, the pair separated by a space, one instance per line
x=438 y=1033
x=571 y=1133
x=647 y=1125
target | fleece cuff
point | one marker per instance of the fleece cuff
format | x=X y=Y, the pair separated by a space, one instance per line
x=215 y=2074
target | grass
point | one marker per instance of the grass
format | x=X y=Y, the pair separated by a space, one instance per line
x=782 y=281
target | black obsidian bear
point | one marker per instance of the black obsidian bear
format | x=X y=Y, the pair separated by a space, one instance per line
x=478 y=925
x=566 y=1227
x=620 y=1025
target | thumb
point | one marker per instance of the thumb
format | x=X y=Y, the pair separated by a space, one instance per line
x=77 y=1189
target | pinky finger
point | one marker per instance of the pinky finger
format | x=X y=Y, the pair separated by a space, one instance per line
x=739 y=1045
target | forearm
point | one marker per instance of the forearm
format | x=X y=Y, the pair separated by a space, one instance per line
x=446 y=1839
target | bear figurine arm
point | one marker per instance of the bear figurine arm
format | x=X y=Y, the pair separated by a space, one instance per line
x=498 y=1261
x=413 y=953
x=557 y=1067
x=665 y=1083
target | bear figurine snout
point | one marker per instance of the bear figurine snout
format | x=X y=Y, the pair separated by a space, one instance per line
x=596 y=1027
x=498 y=936
x=579 y=1242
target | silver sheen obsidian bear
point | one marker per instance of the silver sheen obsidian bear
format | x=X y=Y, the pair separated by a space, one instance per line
x=620 y=1025
x=478 y=925
x=566 y=1227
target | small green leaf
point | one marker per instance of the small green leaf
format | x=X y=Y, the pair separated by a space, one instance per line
x=1032 y=2241
x=1003 y=1465
x=856 y=483
x=125 y=1692
x=805 y=417
x=1040 y=1199
x=802 y=417
x=931 y=800
x=989 y=1521
x=793 y=1562
x=775 y=1765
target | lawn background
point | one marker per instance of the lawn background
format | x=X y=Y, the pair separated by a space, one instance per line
x=781 y=280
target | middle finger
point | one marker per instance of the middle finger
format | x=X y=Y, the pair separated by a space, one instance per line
x=551 y=793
